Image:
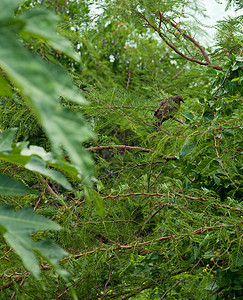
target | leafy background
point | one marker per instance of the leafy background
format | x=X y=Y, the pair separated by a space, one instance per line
x=156 y=213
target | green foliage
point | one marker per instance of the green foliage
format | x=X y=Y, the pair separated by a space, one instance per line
x=9 y=186
x=16 y=228
x=42 y=84
x=171 y=222
x=33 y=158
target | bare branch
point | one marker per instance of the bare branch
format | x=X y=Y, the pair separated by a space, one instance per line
x=129 y=78
x=121 y=147
x=124 y=148
x=222 y=84
x=172 y=46
x=108 y=280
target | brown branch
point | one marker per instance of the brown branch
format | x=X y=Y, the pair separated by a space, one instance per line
x=174 y=285
x=205 y=200
x=122 y=147
x=192 y=40
x=44 y=182
x=219 y=159
x=21 y=283
x=67 y=289
x=122 y=106
x=177 y=74
x=115 y=221
x=39 y=199
x=15 y=278
x=108 y=280
x=172 y=46
x=131 y=293
x=193 y=268
x=133 y=194
x=157 y=175
x=128 y=78
x=177 y=194
x=160 y=19
x=121 y=246
x=154 y=214
x=222 y=84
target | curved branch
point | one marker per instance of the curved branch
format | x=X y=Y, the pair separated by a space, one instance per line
x=124 y=148
x=172 y=46
x=162 y=238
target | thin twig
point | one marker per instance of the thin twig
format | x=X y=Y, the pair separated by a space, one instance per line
x=67 y=289
x=21 y=283
x=219 y=159
x=129 y=78
x=115 y=221
x=121 y=147
x=172 y=46
x=124 y=148
x=39 y=199
x=45 y=183
x=177 y=74
x=158 y=174
x=163 y=238
x=108 y=280
x=134 y=194
x=176 y=194
x=222 y=84
x=179 y=281
x=166 y=292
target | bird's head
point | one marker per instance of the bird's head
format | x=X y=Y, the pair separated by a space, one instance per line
x=177 y=99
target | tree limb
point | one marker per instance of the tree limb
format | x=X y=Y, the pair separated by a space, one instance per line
x=172 y=46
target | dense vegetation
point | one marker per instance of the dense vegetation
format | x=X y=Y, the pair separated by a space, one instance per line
x=146 y=211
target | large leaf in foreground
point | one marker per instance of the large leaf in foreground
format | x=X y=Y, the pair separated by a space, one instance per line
x=42 y=84
x=9 y=186
x=35 y=159
x=16 y=228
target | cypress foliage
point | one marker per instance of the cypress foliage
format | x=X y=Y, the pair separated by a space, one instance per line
x=172 y=195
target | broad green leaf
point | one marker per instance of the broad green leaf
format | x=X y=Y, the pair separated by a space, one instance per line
x=92 y=195
x=189 y=115
x=35 y=159
x=187 y=149
x=53 y=257
x=16 y=228
x=42 y=84
x=6 y=139
x=9 y=186
x=42 y=24
x=209 y=115
x=5 y=89
x=235 y=79
x=7 y=8
x=35 y=164
x=211 y=286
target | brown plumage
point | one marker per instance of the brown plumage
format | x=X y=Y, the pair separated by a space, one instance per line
x=167 y=109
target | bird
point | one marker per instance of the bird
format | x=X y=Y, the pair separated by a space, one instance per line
x=167 y=109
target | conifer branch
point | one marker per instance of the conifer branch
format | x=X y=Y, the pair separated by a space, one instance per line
x=136 y=244
x=166 y=195
x=124 y=148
